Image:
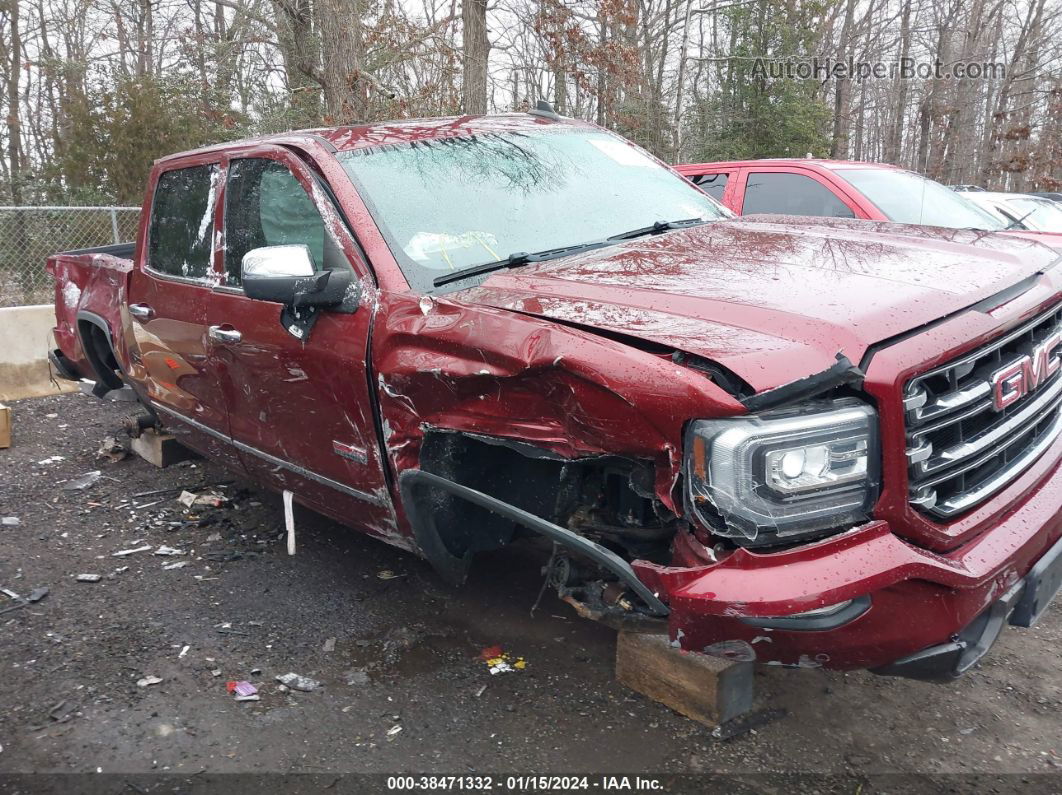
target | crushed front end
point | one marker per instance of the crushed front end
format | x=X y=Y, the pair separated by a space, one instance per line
x=896 y=524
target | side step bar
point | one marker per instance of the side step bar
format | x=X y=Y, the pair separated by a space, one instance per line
x=424 y=530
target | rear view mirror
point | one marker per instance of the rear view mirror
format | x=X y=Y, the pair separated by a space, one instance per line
x=287 y=275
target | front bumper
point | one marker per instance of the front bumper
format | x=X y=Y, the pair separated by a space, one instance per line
x=948 y=607
x=1022 y=605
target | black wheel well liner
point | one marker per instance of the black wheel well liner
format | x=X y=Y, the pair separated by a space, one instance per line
x=98 y=345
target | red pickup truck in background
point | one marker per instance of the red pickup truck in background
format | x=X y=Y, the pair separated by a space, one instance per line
x=797 y=441
x=845 y=189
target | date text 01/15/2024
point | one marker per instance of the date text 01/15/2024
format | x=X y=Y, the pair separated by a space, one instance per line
x=525 y=783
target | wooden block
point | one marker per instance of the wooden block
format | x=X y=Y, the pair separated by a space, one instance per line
x=5 y=426
x=710 y=690
x=160 y=449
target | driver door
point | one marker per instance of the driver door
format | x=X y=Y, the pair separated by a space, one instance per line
x=299 y=409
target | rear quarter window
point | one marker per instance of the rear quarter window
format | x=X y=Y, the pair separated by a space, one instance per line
x=180 y=239
x=712 y=184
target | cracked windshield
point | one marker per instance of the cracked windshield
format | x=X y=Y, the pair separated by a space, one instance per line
x=449 y=204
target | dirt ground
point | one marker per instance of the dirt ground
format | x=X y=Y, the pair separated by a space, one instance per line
x=404 y=689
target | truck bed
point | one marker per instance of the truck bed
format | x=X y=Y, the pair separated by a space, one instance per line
x=90 y=287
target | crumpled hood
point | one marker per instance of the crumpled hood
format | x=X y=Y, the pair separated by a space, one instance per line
x=773 y=298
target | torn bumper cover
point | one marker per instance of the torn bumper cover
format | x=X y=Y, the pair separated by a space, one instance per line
x=869 y=599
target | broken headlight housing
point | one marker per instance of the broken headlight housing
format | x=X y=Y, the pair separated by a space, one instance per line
x=769 y=477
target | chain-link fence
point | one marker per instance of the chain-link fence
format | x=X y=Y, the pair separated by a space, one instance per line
x=29 y=235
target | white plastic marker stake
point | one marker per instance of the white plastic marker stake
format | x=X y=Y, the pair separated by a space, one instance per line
x=289 y=521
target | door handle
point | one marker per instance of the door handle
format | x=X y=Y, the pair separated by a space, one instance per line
x=222 y=334
x=141 y=311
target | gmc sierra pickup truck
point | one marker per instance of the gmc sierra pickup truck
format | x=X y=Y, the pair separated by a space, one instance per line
x=804 y=442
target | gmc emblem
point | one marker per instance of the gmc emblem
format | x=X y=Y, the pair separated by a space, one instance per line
x=1026 y=374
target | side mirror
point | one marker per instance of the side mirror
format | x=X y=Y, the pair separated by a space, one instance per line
x=287 y=275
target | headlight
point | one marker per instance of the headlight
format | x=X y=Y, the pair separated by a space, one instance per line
x=784 y=473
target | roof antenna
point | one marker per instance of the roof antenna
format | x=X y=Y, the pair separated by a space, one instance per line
x=545 y=111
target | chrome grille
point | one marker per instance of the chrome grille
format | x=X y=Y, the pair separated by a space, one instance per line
x=961 y=448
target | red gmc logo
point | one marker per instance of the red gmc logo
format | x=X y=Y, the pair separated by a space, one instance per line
x=1022 y=376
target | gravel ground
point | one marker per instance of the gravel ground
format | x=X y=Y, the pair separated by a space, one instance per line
x=404 y=688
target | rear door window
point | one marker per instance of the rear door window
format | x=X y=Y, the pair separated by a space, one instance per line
x=791 y=194
x=180 y=239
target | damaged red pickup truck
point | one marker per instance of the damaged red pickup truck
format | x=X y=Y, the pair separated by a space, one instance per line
x=806 y=442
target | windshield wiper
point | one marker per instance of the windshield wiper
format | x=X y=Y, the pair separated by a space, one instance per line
x=523 y=258
x=657 y=228
x=515 y=260
x=1016 y=223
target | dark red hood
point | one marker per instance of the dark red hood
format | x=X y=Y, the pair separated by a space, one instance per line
x=776 y=298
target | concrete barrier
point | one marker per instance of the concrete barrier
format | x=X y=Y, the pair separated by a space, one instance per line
x=25 y=339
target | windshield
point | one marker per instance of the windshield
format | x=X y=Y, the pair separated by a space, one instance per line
x=451 y=203
x=1046 y=216
x=908 y=198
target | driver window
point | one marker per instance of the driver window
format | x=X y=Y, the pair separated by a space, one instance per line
x=266 y=206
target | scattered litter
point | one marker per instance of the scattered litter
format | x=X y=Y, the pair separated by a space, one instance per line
x=211 y=499
x=254 y=697
x=180 y=564
x=184 y=651
x=481 y=691
x=746 y=723
x=62 y=712
x=358 y=678
x=89 y=578
x=123 y=552
x=242 y=690
x=296 y=682
x=121 y=569
x=83 y=482
x=10 y=521
x=216 y=672
x=19 y=601
x=387 y=574
x=111 y=450
x=330 y=644
x=179 y=489
x=214 y=537
x=53 y=459
x=166 y=551
x=37 y=594
x=289 y=520
x=501 y=662
x=147 y=681
x=394 y=730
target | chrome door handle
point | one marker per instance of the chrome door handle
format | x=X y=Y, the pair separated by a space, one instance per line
x=141 y=311
x=219 y=334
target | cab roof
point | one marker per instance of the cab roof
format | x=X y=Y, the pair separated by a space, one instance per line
x=384 y=133
x=814 y=162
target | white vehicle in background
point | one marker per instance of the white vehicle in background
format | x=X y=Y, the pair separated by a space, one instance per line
x=1019 y=210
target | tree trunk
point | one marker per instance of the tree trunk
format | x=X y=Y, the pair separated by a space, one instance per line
x=842 y=98
x=476 y=49
x=14 y=126
x=298 y=47
x=894 y=142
